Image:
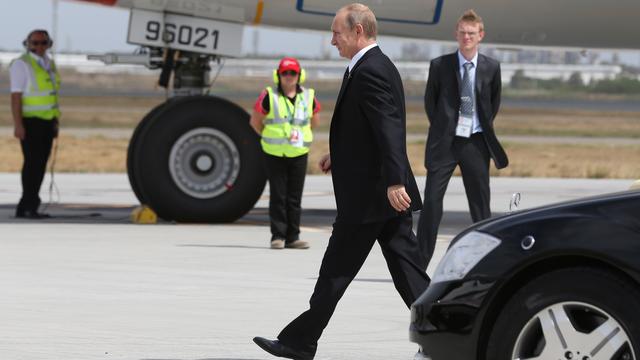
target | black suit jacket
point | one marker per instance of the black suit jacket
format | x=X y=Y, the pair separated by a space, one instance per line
x=442 y=103
x=368 y=142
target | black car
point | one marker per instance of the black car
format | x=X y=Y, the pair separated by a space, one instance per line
x=560 y=282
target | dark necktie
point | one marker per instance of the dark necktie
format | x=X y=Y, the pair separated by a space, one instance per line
x=345 y=80
x=466 y=92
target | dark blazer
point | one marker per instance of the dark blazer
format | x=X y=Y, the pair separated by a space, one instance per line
x=442 y=103
x=368 y=142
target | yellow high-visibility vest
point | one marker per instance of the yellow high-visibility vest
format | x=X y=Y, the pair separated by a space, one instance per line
x=41 y=97
x=287 y=130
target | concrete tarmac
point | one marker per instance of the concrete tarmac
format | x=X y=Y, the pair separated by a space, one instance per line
x=87 y=284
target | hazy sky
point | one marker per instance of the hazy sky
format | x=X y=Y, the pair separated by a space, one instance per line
x=84 y=27
x=80 y=26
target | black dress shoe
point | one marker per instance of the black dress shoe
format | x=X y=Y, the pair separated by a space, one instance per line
x=276 y=348
x=28 y=214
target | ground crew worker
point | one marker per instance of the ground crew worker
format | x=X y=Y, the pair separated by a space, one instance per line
x=35 y=83
x=284 y=119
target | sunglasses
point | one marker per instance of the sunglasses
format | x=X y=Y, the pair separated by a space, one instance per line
x=289 y=73
x=41 y=43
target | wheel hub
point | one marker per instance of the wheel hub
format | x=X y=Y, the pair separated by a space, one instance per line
x=204 y=163
x=571 y=355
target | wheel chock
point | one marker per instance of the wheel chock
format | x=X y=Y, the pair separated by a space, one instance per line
x=143 y=215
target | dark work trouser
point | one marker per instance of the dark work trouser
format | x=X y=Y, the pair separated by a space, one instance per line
x=472 y=155
x=349 y=246
x=286 y=182
x=36 y=148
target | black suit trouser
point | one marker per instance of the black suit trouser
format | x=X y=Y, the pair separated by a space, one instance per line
x=36 y=148
x=472 y=154
x=348 y=248
x=286 y=183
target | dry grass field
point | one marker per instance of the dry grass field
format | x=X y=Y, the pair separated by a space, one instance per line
x=104 y=154
x=101 y=154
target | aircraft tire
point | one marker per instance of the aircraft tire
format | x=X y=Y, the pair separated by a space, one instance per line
x=198 y=160
x=132 y=149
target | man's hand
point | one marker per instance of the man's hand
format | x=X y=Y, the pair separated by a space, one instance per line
x=398 y=197
x=325 y=163
x=18 y=131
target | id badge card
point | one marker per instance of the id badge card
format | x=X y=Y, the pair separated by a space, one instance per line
x=296 y=138
x=464 y=126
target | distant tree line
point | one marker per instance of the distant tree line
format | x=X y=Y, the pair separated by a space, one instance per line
x=622 y=84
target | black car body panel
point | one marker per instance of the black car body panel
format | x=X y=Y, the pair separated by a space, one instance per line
x=452 y=320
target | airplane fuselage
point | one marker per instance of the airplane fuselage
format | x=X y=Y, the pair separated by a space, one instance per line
x=541 y=23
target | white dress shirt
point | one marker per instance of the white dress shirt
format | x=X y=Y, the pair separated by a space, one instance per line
x=359 y=55
x=472 y=76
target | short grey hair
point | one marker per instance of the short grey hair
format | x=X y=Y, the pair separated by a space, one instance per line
x=361 y=14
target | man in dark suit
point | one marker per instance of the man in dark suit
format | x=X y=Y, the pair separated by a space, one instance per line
x=462 y=99
x=374 y=187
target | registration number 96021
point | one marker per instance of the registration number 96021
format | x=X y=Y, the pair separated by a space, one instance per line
x=183 y=34
x=189 y=33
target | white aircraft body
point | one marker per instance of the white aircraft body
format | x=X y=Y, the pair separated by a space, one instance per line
x=195 y=158
x=566 y=23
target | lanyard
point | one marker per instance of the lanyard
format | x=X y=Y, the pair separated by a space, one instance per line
x=288 y=104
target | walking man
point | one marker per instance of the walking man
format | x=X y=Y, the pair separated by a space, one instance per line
x=374 y=187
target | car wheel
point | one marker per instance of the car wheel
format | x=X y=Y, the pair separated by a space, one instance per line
x=569 y=314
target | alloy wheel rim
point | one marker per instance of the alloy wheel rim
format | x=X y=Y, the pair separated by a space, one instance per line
x=573 y=331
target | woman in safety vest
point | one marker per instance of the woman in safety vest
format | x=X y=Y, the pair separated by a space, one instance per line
x=284 y=119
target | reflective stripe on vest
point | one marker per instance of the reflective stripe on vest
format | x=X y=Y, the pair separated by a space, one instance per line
x=41 y=97
x=287 y=132
x=273 y=141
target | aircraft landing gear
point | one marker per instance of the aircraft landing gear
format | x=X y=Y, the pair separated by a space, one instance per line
x=194 y=158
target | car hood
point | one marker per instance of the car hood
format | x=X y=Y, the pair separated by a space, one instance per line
x=619 y=209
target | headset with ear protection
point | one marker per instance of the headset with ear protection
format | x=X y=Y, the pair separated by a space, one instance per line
x=301 y=79
x=25 y=43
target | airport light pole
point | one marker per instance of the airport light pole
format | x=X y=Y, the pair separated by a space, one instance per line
x=54 y=26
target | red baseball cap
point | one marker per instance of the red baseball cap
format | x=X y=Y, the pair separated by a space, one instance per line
x=289 y=63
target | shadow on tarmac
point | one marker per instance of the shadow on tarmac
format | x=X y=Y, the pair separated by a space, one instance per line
x=452 y=222
x=71 y=214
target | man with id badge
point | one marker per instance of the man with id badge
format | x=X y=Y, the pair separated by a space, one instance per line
x=462 y=99
x=284 y=119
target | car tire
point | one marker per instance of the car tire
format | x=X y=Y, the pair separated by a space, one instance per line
x=554 y=316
